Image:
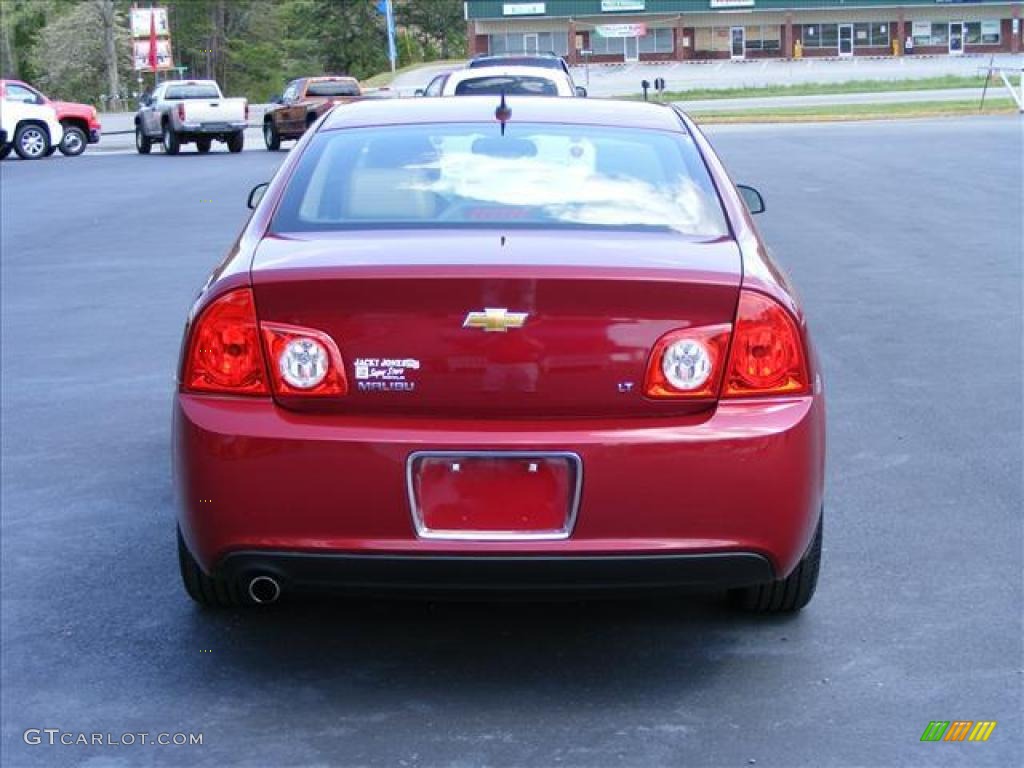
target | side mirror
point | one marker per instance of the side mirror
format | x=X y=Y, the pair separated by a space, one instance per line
x=256 y=194
x=145 y=100
x=753 y=199
x=419 y=92
x=276 y=99
x=581 y=92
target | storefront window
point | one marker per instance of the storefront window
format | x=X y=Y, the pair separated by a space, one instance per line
x=875 y=34
x=515 y=42
x=830 y=35
x=940 y=33
x=605 y=45
x=990 y=32
x=922 y=32
x=657 y=41
x=763 y=38
x=812 y=36
x=880 y=34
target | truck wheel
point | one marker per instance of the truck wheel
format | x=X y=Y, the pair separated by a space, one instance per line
x=236 y=141
x=271 y=137
x=74 y=141
x=786 y=595
x=5 y=150
x=31 y=141
x=203 y=145
x=206 y=590
x=171 y=141
x=142 y=142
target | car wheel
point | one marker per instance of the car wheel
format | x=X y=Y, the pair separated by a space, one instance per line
x=171 y=141
x=206 y=590
x=236 y=141
x=271 y=137
x=786 y=595
x=142 y=142
x=31 y=142
x=203 y=145
x=74 y=141
x=5 y=150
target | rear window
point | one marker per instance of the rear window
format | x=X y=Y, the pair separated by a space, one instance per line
x=512 y=85
x=468 y=175
x=333 y=88
x=183 y=92
x=548 y=62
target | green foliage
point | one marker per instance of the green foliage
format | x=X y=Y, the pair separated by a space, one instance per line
x=69 y=55
x=252 y=47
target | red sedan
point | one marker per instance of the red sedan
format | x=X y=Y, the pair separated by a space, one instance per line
x=480 y=346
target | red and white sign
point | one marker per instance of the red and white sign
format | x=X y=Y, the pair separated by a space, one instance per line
x=143 y=19
x=141 y=58
x=621 y=30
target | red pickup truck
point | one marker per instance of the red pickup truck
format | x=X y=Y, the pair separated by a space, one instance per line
x=81 y=122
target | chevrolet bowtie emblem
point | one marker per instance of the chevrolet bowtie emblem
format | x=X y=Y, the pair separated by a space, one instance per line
x=494 y=320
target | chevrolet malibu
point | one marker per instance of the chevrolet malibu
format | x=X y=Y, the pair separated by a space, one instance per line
x=500 y=345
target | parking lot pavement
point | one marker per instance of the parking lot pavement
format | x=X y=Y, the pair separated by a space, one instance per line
x=905 y=242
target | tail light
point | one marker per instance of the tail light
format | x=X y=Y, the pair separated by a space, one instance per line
x=181 y=112
x=687 y=363
x=303 y=361
x=224 y=352
x=247 y=111
x=767 y=355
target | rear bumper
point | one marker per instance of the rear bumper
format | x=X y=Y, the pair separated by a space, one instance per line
x=469 y=574
x=250 y=477
x=211 y=129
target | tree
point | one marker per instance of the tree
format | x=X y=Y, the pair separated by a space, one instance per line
x=108 y=16
x=69 y=57
x=439 y=24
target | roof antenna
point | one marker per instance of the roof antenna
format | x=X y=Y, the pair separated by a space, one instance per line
x=503 y=114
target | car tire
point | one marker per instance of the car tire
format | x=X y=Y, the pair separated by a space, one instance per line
x=5 y=150
x=142 y=142
x=31 y=141
x=271 y=137
x=170 y=140
x=203 y=145
x=236 y=141
x=786 y=595
x=74 y=142
x=208 y=591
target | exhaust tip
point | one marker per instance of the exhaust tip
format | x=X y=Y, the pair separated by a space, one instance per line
x=264 y=589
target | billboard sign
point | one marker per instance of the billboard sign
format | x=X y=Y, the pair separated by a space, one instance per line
x=140 y=20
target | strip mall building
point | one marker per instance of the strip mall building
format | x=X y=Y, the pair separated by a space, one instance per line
x=679 y=30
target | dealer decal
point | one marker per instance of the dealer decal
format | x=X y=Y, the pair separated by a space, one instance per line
x=385 y=374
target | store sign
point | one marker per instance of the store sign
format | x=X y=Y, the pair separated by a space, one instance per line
x=732 y=3
x=523 y=9
x=990 y=27
x=922 y=29
x=621 y=30
x=616 y=6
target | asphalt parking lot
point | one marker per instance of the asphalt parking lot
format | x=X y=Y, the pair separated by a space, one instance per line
x=905 y=240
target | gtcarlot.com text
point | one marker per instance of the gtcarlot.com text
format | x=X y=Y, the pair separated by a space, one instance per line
x=56 y=736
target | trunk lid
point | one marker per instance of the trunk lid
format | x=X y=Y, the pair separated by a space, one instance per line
x=593 y=305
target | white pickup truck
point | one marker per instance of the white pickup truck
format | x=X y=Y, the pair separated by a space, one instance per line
x=184 y=111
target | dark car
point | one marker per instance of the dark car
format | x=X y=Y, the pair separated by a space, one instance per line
x=302 y=103
x=486 y=344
